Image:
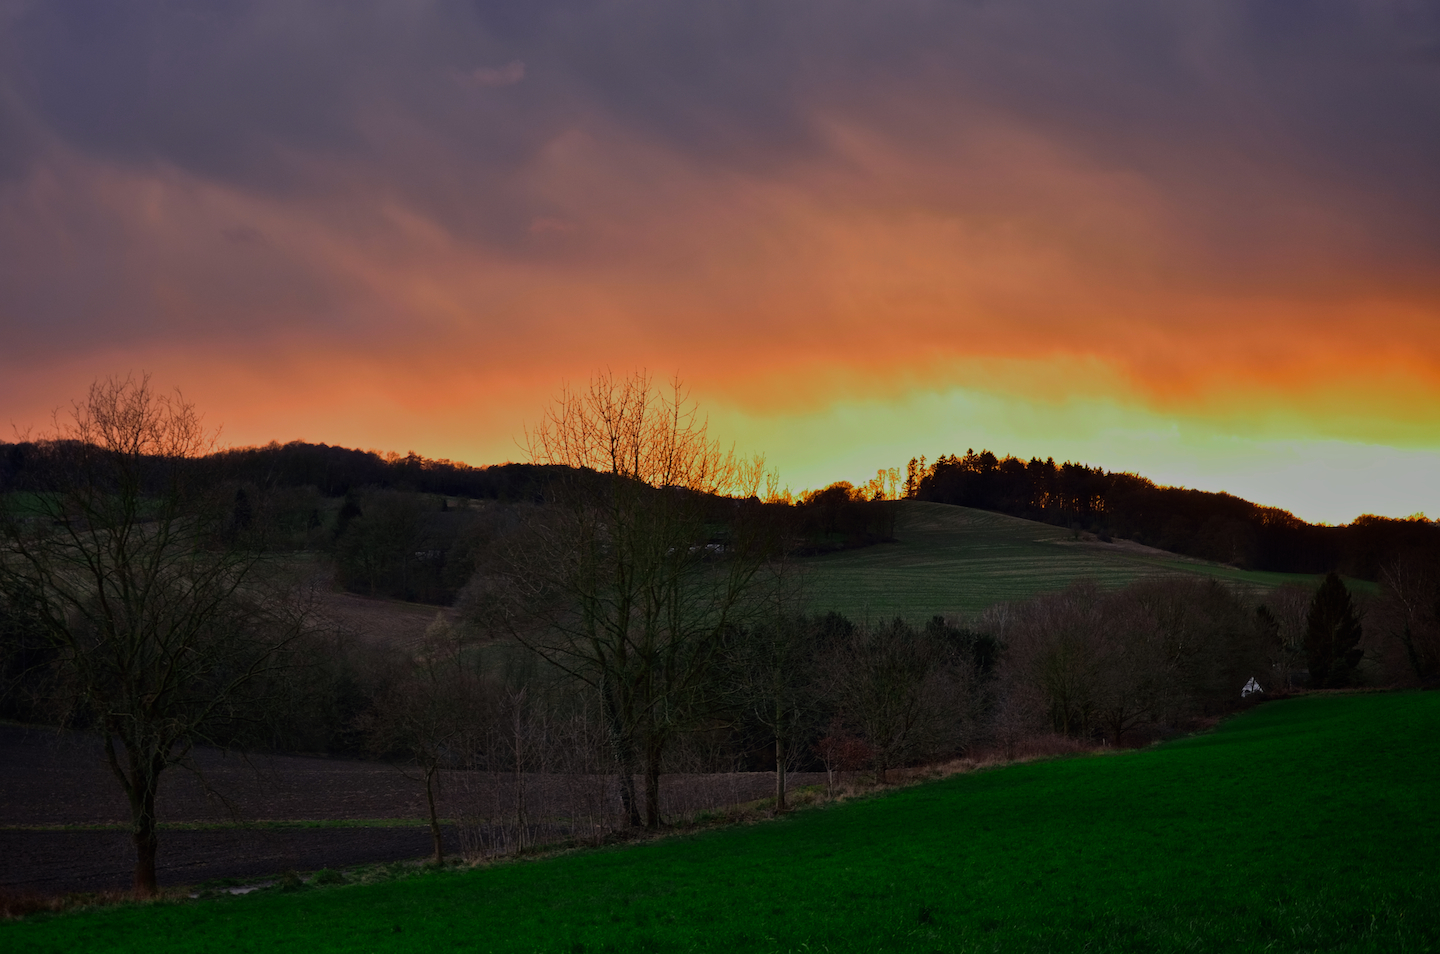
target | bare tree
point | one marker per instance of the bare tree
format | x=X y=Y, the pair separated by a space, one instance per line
x=1017 y=716
x=771 y=670
x=890 y=683
x=631 y=575
x=1053 y=650
x=159 y=614
x=841 y=751
x=429 y=714
x=1289 y=608
x=1135 y=666
x=770 y=666
x=1408 y=613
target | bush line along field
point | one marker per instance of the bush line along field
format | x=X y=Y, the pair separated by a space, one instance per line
x=951 y=560
x=1304 y=825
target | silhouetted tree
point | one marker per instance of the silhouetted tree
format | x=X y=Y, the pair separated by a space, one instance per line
x=633 y=575
x=1409 y=616
x=159 y=619
x=770 y=671
x=893 y=686
x=1332 y=636
x=429 y=714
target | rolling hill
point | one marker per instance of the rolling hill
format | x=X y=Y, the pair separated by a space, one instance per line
x=956 y=560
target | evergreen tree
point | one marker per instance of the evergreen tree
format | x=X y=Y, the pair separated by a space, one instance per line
x=1332 y=635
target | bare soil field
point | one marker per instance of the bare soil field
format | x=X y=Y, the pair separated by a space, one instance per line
x=64 y=820
x=61 y=862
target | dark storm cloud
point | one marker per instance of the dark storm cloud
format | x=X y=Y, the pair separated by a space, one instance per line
x=1341 y=91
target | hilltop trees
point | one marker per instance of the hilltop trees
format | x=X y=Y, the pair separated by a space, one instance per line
x=146 y=592
x=1212 y=526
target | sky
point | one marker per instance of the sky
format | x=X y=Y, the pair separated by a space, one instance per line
x=1198 y=240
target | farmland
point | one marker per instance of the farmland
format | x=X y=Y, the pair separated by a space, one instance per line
x=1308 y=824
x=64 y=822
x=950 y=560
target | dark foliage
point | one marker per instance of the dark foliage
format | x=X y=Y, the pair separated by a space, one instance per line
x=839 y=517
x=405 y=546
x=1332 y=636
x=1406 y=621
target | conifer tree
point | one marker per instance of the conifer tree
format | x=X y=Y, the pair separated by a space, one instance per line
x=1332 y=636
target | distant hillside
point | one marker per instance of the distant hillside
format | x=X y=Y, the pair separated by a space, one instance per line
x=956 y=560
x=1209 y=526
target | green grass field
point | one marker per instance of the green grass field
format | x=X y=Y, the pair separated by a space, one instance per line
x=1304 y=825
x=954 y=560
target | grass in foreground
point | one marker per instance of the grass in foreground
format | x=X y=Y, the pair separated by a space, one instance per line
x=1306 y=825
x=955 y=560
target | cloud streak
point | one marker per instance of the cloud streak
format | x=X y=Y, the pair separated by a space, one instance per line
x=507 y=75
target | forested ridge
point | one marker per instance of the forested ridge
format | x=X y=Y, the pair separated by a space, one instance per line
x=1111 y=504
x=390 y=520
x=1210 y=526
x=333 y=471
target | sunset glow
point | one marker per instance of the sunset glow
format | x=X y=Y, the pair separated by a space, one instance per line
x=1200 y=241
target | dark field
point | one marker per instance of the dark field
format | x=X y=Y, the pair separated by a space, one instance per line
x=64 y=821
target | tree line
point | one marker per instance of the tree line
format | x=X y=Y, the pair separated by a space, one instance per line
x=331 y=471
x=405 y=527
x=1211 y=526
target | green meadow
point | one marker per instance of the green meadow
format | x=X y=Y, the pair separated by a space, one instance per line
x=954 y=560
x=1311 y=824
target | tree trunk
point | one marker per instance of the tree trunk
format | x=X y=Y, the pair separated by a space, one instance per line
x=624 y=757
x=629 y=798
x=652 y=784
x=146 y=843
x=430 y=771
x=779 y=776
x=140 y=784
x=142 y=816
x=520 y=820
x=1408 y=639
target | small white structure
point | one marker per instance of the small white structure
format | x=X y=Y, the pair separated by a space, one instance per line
x=1251 y=688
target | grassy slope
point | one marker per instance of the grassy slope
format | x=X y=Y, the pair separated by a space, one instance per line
x=954 y=560
x=1311 y=824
